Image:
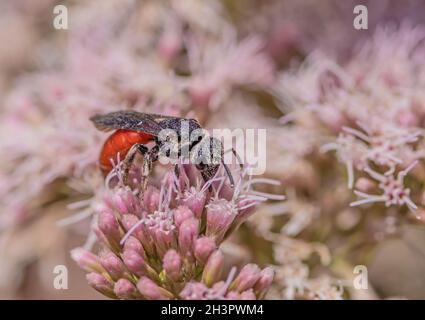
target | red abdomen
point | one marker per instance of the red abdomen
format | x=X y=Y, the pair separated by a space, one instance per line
x=120 y=142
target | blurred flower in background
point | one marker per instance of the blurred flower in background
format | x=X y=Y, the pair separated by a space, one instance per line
x=343 y=111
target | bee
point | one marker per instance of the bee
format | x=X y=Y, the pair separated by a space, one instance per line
x=134 y=130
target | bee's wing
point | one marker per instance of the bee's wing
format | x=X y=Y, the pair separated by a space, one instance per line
x=129 y=120
x=161 y=116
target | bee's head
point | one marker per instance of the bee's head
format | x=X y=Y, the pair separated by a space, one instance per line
x=207 y=155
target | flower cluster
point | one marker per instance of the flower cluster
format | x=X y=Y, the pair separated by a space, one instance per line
x=166 y=245
x=345 y=137
x=97 y=75
x=370 y=111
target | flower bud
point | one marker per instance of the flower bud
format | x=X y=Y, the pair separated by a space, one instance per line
x=246 y=278
x=125 y=201
x=108 y=224
x=248 y=295
x=194 y=291
x=213 y=269
x=233 y=295
x=407 y=118
x=181 y=214
x=159 y=228
x=245 y=210
x=169 y=46
x=163 y=238
x=140 y=232
x=101 y=236
x=364 y=184
x=203 y=248
x=129 y=221
x=151 y=291
x=101 y=284
x=112 y=264
x=220 y=215
x=264 y=282
x=133 y=244
x=86 y=260
x=172 y=264
x=124 y=289
x=194 y=200
x=200 y=94
x=134 y=262
x=188 y=232
x=151 y=199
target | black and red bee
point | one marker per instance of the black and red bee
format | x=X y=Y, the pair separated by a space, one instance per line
x=135 y=129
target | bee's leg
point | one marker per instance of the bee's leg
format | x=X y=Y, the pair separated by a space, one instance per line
x=150 y=157
x=177 y=170
x=129 y=159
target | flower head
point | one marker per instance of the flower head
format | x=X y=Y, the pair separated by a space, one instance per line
x=159 y=248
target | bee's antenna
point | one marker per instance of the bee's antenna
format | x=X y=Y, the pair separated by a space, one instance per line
x=229 y=174
x=240 y=163
x=237 y=158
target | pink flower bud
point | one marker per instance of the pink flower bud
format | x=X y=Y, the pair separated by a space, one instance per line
x=188 y=232
x=220 y=215
x=112 y=264
x=101 y=284
x=108 y=224
x=133 y=244
x=126 y=202
x=264 y=282
x=172 y=264
x=86 y=260
x=128 y=221
x=181 y=214
x=243 y=214
x=101 y=236
x=134 y=262
x=203 y=248
x=233 y=295
x=246 y=278
x=332 y=118
x=164 y=240
x=213 y=269
x=124 y=289
x=364 y=184
x=194 y=200
x=283 y=39
x=151 y=291
x=248 y=295
x=151 y=199
x=200 y=94
x=245 y=209
x=159 y=232
x=194 y=291
x=169 y=46
x=407 y=118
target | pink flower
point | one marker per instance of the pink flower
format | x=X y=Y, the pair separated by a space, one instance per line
x=371 y=110
x=155 y=249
